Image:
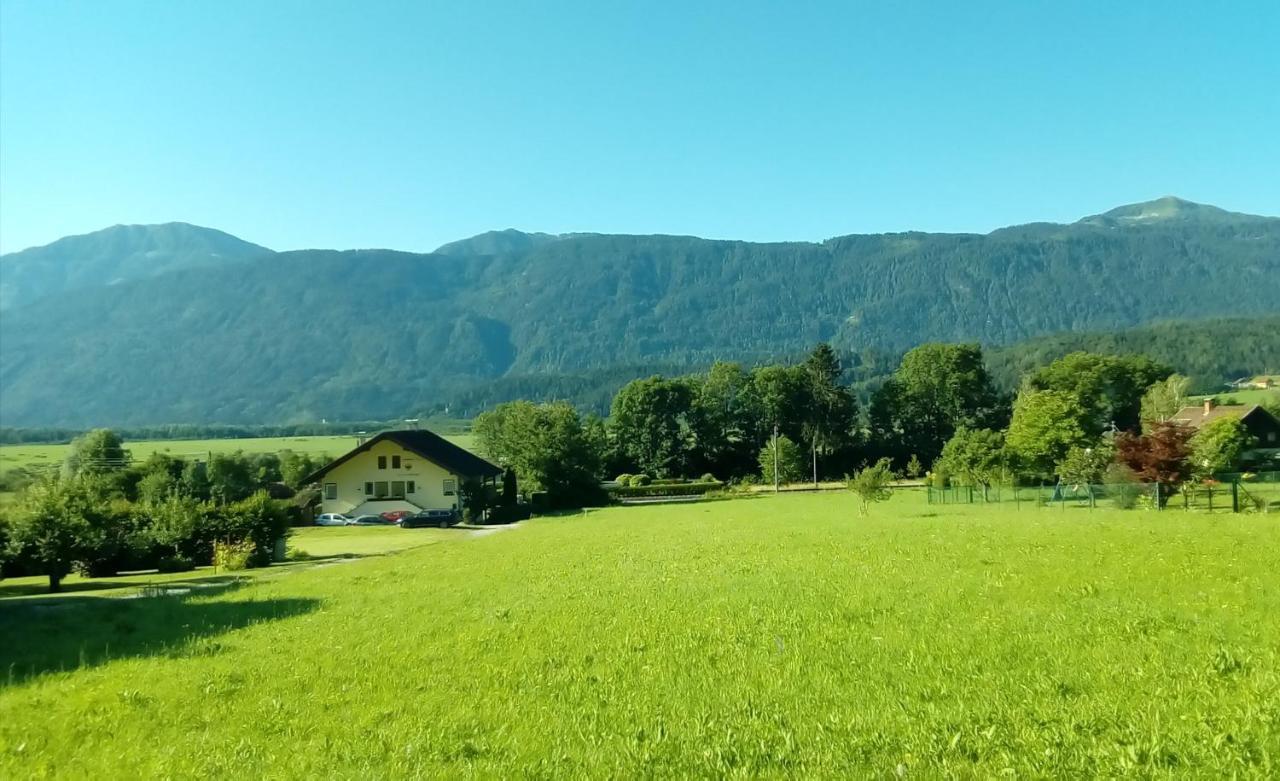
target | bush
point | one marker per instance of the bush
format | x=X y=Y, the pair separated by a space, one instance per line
x=505 y=514
x=708 y=478
x=233 y=556
x=640 y=480
x=667 y=489
x=175 y=564
x=623 y=479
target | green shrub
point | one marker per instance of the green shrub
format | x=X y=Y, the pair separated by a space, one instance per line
x=175 y=564
x=679 y=489
x=623 y=479
x=708 y=478
x=233 y=555
x=640 y=480
x=508 y=514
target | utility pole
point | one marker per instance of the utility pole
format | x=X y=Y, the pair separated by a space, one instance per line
x=775 y=458
x=815 y=461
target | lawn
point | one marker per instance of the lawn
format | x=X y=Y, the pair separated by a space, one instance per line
x=777 y=635
x=1247 y=397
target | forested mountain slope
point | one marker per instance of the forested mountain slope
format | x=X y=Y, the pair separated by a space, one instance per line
x=374 y=334
x=114 y=255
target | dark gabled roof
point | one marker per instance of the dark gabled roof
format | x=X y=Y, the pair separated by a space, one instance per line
x=432 y=447
x=1198 y=416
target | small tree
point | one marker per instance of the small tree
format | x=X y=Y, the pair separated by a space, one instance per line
x=914 y=468
x=50 y=529
x=1087 y=465
x=871 y=484
x=976 y=456
x=1159 y=456
x=790 y=460
x=1164 y=398
x=1218 y=446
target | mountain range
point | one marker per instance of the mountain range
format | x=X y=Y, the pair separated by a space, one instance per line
x=148 y=324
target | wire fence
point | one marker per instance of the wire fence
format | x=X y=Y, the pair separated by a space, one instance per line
x=1236 y=493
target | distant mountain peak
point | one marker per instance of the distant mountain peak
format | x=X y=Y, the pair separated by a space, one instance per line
x=499 y=242
x=1170 y=208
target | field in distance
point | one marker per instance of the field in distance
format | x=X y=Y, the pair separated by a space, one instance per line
x=15 y=456
x=776 y=635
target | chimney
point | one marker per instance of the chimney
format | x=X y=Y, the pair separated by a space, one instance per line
x=1208 y=406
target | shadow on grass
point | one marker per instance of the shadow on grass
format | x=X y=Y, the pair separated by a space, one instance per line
x=65 y=634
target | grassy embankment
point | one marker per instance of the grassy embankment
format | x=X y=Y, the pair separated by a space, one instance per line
x=771 y=635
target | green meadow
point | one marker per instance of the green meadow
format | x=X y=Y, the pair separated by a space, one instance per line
x=765 y=636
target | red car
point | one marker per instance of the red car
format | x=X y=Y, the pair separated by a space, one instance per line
x=396 y=515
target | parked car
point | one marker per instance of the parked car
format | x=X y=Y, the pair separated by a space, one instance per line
x=333 y=519
x=372 y=520
x=438 y=518
x=396 y=515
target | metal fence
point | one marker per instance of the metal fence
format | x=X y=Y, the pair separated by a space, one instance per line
x=1226 y=493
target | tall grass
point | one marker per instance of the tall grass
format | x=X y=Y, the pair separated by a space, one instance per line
x=770 y=636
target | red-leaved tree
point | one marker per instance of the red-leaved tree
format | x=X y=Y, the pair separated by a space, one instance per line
x=1159 y=456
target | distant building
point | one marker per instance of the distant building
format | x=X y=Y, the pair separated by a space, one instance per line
x=400 y=470
x=1260 y=423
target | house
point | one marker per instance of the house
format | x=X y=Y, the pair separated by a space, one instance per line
x=1261 y=424
x=400 y=470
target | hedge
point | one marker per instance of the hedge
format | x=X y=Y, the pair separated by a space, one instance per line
x=680 y=489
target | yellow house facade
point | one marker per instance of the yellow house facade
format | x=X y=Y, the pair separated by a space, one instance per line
x=400 y=470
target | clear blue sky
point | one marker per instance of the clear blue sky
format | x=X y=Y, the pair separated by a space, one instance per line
x=408 y=124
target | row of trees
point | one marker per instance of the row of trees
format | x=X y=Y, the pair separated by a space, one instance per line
x=100 y=514
x=940 y=409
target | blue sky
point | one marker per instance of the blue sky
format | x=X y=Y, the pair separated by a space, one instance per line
x=405 y=125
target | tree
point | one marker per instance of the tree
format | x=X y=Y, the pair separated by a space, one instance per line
x=1045 y=426
x=831 y=409
x=294 y=467
x=651 y=424
x=96 y=452
x=156 y=486
x=195 y=480
x=937 y=389
x=1087 y=465
x=976 y=456
x=548 y=448
x=728 y=421
x=790 y=460
x=231 y=477
x=1108 y=389
x=1217 y=447
x=51 y=528
x=914 y=468
x=872 y=484
x=1159 y=456
x=783 y=394
x=1164 y=398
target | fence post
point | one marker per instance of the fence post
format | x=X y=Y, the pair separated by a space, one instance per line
x=1210 y=498
x=1235 y=496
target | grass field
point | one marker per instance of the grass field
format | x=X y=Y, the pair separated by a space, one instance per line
x=765 y=636
x=1248 y=397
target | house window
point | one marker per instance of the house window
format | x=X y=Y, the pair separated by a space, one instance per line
x=382 y=462
x=330 y=491
x=397 y=489
x=380 y=489
x=395 y=462
x=409 y=487
x=450 y=487
x=368 y=489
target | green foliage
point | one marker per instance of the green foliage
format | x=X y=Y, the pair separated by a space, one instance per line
x=547 y=446
x=1217 y=447
x=651 y=421
x=1164 y=398
x=914 y=468
x=790 y=461
x=233 y=556
x=938 y=389
x=698 y=488
x=1046 y=425
x=976 y=456
x=872 y=484
x=231 y=477
x=100 y=451
x=1087 y=465
x=1107 y=389
x=51 y=528
x=295 y=466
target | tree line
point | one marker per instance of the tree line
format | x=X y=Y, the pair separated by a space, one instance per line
x=100 y=514
x=939 y=414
